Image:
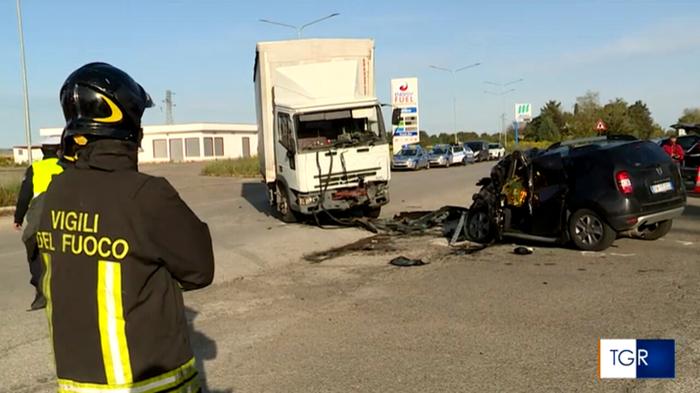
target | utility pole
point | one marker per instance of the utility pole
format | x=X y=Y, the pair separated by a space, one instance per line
x=169 y=107
x=454 y=71
x=27 y=122
x=501 y=92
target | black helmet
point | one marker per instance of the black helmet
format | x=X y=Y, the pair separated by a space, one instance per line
x=101 y=101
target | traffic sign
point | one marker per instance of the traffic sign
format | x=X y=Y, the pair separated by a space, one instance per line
x=600 y=126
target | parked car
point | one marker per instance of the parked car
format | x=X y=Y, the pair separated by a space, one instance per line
x=469 y=153
x=411 y=157
x=459 y=156
x=440 y=155
x=584 y=191
x=480 y=149
x=496 y=151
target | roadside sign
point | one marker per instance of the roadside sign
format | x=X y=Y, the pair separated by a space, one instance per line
x=404 y=97
x=600 y=126
x=523 y=112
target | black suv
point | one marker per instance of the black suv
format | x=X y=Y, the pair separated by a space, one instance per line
x=585 y=191
x=480 y=149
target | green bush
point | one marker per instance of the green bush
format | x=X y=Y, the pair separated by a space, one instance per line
x=239 y=167
x=8 y=194
x=524 y=145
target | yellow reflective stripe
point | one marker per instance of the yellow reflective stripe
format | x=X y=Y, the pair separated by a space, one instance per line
x=115 y=351
x=46 y=289
x=156 y=384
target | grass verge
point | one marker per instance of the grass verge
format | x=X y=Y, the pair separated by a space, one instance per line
x=9 y=162
x=8 y=194
x=239 y=167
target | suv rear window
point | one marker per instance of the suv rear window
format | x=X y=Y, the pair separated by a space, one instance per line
x=640 y=153
x=475 y=146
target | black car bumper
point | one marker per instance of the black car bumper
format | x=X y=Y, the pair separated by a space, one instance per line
x=632 y=222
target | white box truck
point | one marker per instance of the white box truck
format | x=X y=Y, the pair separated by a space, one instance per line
x=321 y=138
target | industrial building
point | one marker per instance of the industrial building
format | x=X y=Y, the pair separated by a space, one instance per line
x=181 y=142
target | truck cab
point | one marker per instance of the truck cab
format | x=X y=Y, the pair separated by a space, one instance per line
x=331 y=157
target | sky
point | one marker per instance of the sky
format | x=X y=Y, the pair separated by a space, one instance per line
x=203 y=50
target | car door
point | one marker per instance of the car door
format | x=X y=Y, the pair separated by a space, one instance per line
x=457 y=155
x=548 y=188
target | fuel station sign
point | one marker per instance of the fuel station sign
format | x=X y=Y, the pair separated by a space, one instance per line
x=404 y=120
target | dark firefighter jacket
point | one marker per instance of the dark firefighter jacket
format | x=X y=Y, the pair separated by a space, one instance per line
x=118 y=248
x=36 y=180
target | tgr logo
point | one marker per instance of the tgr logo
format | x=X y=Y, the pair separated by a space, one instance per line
x=630 y=358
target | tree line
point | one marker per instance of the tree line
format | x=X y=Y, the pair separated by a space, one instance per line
x=554 y=123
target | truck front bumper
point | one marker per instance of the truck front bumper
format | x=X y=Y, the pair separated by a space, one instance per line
x=370 y=195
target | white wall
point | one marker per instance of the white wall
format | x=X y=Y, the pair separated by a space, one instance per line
x=233 y=144
x=232 y=133
x=20 y=154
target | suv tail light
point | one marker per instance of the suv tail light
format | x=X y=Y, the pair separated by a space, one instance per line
x=624 y=183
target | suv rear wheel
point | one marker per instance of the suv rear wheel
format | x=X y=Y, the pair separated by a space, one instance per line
x=589 y=231
x=655 y=231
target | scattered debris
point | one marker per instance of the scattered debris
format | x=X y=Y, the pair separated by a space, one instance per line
x=523 y=250
x=469 y=249
x=373 y=244
x=407 y=262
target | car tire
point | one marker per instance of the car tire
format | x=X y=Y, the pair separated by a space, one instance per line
x=283 y=209
x=479 y=227
x=656 y=231
x=589 y=231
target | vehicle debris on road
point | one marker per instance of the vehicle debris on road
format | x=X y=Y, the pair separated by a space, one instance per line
x=521 y=250
x=402 y=261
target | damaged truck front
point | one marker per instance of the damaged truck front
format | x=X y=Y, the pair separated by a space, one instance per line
x=322 y=143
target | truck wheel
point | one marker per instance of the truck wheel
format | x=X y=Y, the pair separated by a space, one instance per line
x=479 y=226
x=372 y=212
x=589 y=231
x=656 y=231
x=283 y=208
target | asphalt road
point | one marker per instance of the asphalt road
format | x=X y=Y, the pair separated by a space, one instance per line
x=489 y=321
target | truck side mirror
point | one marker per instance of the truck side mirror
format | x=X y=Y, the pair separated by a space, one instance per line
x=395 y=116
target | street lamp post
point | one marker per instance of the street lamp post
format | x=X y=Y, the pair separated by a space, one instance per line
x=454 y=72
x=299 y=29
x=27 y=123
x=502 y=92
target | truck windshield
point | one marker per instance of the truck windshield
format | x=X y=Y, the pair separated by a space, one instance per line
x=346 y=127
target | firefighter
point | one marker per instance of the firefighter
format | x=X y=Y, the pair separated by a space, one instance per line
x=29 y=205
x=118 y=247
